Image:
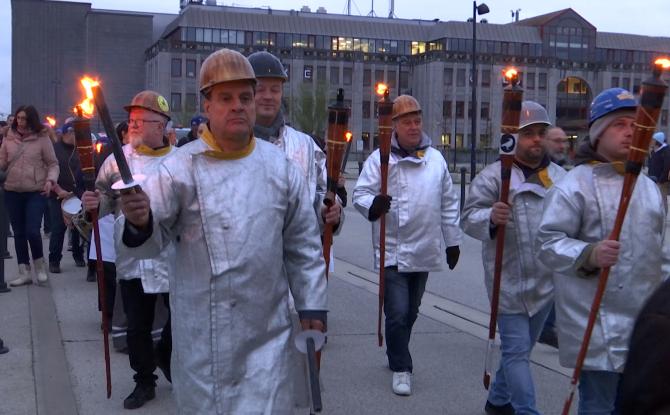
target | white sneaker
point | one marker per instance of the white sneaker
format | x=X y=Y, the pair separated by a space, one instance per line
x=40 y=271
x=402 y=383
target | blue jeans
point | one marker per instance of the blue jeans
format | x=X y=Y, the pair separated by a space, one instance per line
x=598 y=392
x=513 y=382
x=26 y=210
x=402 y=298
x=58 y=231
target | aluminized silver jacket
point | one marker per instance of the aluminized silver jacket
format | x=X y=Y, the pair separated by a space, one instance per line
x=424 y=214
x=526 y=285
x=153 y=272
x=247 y=232
x=580 y=211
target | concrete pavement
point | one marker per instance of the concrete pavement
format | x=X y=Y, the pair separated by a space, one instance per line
x=55 y=363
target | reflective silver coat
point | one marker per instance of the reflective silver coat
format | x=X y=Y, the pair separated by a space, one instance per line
x=302 y=150
x=153 y=272
x=424 y=214
x=526 y=285
x=580 y=211
x=247 y=233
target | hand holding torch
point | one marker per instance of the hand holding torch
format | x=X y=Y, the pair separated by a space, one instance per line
x=511 y=112
x=651 y=100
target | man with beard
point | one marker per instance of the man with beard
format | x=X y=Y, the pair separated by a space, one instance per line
x=141 y=281
x=526 y=294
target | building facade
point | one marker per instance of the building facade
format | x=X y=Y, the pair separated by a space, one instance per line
x=564 y=62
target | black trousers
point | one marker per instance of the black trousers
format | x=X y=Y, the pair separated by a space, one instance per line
x=139 y=308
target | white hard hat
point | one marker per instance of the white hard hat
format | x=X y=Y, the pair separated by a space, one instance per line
x=533 y=113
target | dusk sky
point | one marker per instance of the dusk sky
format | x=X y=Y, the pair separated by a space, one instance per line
x=647 y=17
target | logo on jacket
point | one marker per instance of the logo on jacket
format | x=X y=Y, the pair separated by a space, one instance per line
x=508 y=143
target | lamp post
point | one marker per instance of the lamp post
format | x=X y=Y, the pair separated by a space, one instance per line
x=476 y=10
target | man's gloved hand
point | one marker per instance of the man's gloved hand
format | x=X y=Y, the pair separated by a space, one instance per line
x=380 y=205
x=453 y=252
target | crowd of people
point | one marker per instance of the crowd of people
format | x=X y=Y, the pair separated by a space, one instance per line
x=240 y=202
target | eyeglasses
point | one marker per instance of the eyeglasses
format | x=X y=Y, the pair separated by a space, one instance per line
x=139 y=121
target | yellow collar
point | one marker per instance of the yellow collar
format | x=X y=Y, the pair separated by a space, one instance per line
x=148 y=151
x=217 y=153
x=618 y=166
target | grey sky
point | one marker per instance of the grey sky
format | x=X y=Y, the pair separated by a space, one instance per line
x=646 y=17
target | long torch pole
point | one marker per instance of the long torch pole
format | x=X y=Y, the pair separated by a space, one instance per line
x=651 y=100
x=82 y=133
x=338 y=120
x=511 y=111
x=385 y=109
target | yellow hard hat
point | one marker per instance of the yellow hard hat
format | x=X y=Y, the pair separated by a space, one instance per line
x=152 y=101
x=405 y=104
x=225 y=65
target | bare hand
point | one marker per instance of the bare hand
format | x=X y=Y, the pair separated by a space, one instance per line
x=67 y=221
x=63 y=194
x=136 y=208
x=341 y=181
x=607 y=253
x=500 y=213
x=47 y=188
x=313 y=325
x=331 y=215
x=91 y=200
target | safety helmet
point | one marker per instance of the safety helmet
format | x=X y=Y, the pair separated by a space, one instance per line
x=533 y=113
x=225 y=65
x=405 y=104
x=267 y=65
x=152 y=101
x=610 y=100
x=659 y=136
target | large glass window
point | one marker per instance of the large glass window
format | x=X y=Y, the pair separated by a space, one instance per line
x=460 y=109
x=335 y=75
x=207 y=37
x=190 y=68
x=190 y=102
x=530 y=80
x=418 y=47
x=199 y=34
x=460 y=77
x=367 y=75
x=346 y=76
x=486 y=77
x=366 y=109
x=224 y=36
x=176 y=68
x=321 y=74
x=448 y=76
x=446 y=109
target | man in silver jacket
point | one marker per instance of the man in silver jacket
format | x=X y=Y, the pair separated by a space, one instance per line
x=572 y=240
x=141 y=281
x=526 y=291
x=422 y=215
x=247 y=232
x=298 y=147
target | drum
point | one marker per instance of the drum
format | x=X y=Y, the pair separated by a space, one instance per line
x=73 y=211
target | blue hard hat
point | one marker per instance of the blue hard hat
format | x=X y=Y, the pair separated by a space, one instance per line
x=197 y=120
x=611 y=100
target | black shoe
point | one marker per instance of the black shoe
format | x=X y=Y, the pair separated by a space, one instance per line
x=6 y=255
x=79 y=263
x=3 y=349
x=54 y=268
x=141 y=394
x=492 y=409
x=548 y=337
x=90 y=275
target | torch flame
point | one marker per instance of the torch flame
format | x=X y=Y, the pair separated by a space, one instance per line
x=510 y=73
x=348 y=135
x=86 y=104
x=382 y=88
x=51 y=120
x=98 y=147
x=663 y=62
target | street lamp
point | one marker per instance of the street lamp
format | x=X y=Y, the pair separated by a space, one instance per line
x=476 y=10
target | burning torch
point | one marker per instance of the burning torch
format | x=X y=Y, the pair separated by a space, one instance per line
x=338 y=119
x=652 y=95
x=82 y=134
x=385 y=109
x=511 y=112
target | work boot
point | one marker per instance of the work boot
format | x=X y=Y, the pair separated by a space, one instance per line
x=140 y=395
x=54 y=268
x=40 y=270
x=492 y=409
x=79 y=263
x=3 y=349
x=402 y=383
x=90 y=274
x=24 y=276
